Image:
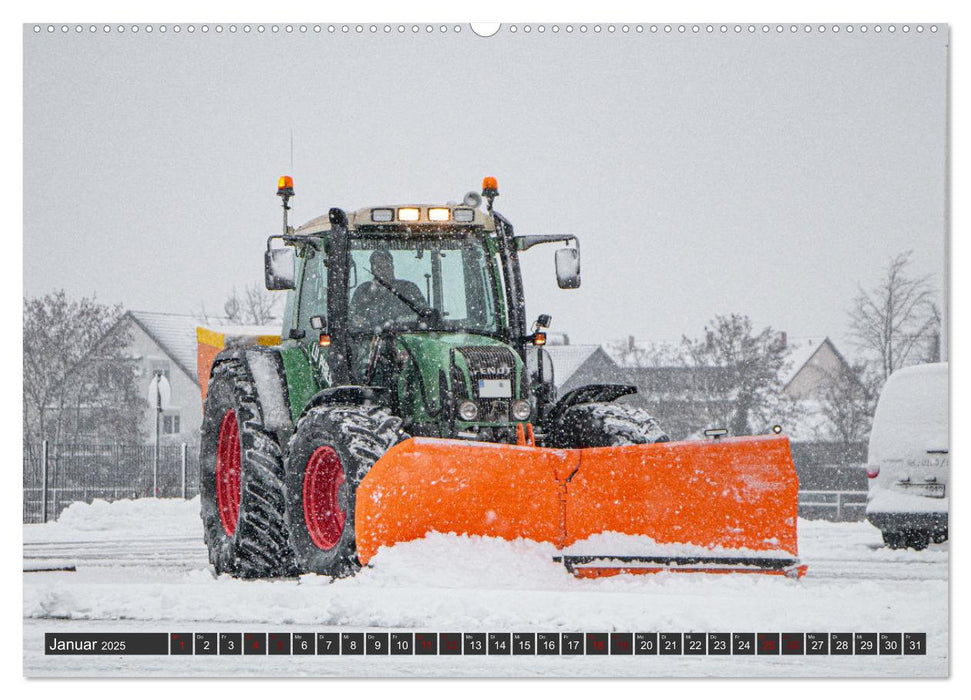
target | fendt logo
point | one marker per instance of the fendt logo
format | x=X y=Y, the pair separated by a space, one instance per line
x=498 y=370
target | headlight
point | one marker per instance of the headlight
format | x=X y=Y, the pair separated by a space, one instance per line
x=468 y=411
x=521 y=409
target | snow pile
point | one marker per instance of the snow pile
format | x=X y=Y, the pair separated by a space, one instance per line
x=134 y=519
x=142 y=565
x=460 y=561
x=451 y=582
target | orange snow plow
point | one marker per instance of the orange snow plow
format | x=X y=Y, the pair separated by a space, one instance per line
x=719 y=506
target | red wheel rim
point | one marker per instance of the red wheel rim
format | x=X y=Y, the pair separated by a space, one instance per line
x=228 y=461
x=322 y=511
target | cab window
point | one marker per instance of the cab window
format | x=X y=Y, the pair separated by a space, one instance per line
x=313 y=292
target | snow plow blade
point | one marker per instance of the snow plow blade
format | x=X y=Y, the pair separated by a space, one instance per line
x=719 y=505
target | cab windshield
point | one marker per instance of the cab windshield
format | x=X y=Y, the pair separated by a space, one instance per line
x=439 y=283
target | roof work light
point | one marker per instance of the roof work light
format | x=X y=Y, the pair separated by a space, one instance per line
x=284 y=189
x=284 y=186
x=490 y=189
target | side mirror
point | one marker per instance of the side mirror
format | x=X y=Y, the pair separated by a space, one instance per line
x=568 y=268
x=279 y=268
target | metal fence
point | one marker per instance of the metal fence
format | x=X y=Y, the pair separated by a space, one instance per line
x=56 y=476
x=838 y=506
x=832 y=480
x=832 y=477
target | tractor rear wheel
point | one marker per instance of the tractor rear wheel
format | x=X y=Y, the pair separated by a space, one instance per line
x=917 y=539
x=332 y=449
x=241 y=480
x=606 y=425
x=894 y=539
x=907 y=539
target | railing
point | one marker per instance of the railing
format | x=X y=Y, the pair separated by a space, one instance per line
x=57 y=475
x=832 y=505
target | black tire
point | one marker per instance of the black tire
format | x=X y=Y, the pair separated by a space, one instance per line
x=259 y=546
x=606 y=425
x=907 y=539
x=894 y=539
x=917 y=539
x=358 y=436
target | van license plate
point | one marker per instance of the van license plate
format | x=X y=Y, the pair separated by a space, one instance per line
x=495 y=389
x=931 y=490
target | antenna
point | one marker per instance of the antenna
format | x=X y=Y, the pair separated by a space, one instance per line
x=284 y=189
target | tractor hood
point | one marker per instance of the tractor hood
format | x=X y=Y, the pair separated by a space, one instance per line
x=450 y=367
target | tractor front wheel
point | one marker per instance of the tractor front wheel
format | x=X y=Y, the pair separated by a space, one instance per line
x=331 y=451
x=605 y=425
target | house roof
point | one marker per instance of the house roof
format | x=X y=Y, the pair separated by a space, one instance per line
x=682 y=381
x=175 y=334
x=624 y=353
x=801 y=352
x=567 y=359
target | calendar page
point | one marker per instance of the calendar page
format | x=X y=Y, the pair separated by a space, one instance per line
x=486 y=350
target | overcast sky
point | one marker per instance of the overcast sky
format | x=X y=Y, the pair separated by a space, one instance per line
x=763 y=174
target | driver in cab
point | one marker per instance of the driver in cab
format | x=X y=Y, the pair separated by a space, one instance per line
x=384 y=299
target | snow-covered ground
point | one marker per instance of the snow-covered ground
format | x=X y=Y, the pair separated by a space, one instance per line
x=142 y=566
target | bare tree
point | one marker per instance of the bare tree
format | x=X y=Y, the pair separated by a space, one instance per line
x=730 y=378
x=233 y=307
x=78 y=381
x=897 y=321
x=260 y=304
x=630 y=353
x=847 y=400
x=256 y=307
x=742 y=387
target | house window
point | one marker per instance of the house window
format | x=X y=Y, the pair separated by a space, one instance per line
x=171 y=424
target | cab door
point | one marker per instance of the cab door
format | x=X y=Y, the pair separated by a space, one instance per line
x=305 y=359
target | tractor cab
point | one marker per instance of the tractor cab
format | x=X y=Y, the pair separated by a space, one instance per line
x=422 y=304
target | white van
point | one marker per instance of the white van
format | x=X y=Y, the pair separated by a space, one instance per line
x=907 y=460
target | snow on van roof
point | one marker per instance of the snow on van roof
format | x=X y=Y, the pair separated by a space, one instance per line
x=912 y=413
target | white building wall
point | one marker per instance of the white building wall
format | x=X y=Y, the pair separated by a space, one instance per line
x=186 y=400
x=824 y=366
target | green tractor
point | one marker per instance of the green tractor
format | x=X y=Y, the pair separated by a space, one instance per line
x=400 y=321
x=405 y=395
